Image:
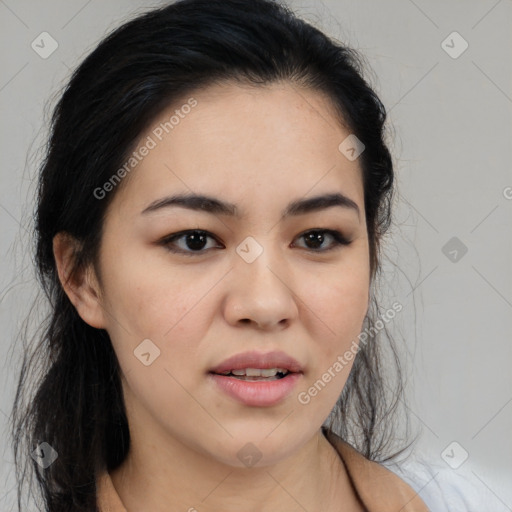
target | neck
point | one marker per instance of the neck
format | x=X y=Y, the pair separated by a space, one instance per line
x=162 y=475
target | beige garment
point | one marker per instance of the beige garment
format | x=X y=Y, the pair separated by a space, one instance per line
x=378 y=488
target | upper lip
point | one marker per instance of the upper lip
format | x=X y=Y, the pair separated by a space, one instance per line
x=253 y=359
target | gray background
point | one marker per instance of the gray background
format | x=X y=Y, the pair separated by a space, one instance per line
x=450 y=131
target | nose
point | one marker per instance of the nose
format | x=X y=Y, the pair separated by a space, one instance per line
x=261 y=293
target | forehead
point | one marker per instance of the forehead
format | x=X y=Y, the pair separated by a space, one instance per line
x=251 y=145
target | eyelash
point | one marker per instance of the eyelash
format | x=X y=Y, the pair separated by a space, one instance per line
x=338 y=238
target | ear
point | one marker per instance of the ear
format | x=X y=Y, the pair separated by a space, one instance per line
x=82 y=288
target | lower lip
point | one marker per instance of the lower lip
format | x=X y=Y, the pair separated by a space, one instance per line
x=257 y=393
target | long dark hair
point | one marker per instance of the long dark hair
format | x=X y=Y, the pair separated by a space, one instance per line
x=76 y=403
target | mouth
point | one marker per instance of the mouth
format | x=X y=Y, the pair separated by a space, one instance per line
x=256 y=364
x=257 y=380
x=256 y=391
x=256 y=374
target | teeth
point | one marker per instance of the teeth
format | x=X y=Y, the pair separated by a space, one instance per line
x=257 y=372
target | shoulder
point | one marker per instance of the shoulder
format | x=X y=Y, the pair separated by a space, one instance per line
x=380 y=489
x=419 y=484
x=444 y=489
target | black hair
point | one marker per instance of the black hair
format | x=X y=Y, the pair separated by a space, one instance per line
x=149 y=62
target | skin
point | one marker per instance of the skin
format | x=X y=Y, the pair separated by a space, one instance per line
x=260 y=148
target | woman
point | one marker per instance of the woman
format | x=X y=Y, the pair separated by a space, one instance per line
x=210 y=212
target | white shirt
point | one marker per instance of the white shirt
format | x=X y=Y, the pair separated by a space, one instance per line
x=443 y=489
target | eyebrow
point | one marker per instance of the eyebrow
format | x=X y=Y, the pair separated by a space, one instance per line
x=217 y=207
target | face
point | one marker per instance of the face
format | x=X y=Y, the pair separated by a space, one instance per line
x=258 y=276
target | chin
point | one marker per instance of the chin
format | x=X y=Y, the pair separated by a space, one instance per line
x=253 y=447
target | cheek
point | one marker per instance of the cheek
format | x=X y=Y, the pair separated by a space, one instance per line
x=159 y=304
x=347 y=306
x=145 y=295
x=164 y=305
x=338 y=306
x=340 y=301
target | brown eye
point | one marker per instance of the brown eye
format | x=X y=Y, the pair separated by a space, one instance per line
x=193 y=241
x=316 y=238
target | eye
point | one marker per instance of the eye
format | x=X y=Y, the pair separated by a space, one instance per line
x=194 y=241
x=317 y=237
